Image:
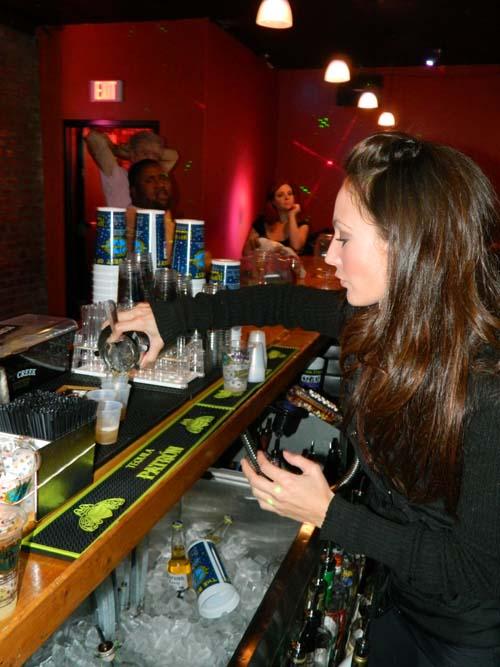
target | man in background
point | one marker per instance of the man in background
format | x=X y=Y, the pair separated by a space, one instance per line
x=143 y=145
x=150 y=188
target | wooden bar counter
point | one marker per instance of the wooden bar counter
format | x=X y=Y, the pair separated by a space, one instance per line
x=51 y=588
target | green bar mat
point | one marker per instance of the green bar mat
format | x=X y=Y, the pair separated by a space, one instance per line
x=71 y=531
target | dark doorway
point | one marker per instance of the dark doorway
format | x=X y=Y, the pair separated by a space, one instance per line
x=82 y=195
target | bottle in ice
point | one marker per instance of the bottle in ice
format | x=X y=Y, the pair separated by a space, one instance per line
x=179 y=566
x=217 y=533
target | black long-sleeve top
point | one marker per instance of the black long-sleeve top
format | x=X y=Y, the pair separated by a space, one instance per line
x=444 y=572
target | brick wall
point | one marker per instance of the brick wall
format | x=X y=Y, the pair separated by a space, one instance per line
x=22 y=236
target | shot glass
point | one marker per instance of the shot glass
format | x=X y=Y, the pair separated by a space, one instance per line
x=108 y=422
x=12 y=520
x=235 y=367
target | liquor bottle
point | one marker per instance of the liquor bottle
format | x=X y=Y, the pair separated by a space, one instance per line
x=296 y=654
x=348 y=576
x=218 y=532
x=361 y=652
x=328 y=563
x=316 y=592
x=308 y=633
x=179 y=566
x=333 y=467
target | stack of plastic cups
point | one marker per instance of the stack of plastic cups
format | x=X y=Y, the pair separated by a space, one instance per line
x=189 y=251
x=111 y=248
x=150 y=235
x=214 y=337
x=226 y=272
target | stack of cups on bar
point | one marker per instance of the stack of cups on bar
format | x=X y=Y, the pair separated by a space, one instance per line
x=226 y=272
x=111 y=248
x=189 y=252
x=150 y=236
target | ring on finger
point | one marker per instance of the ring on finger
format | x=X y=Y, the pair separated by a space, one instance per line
x=270 y=501
x=277 y=490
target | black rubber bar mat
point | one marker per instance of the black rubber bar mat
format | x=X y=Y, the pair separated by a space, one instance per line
x=70 y=531
x=148 y=405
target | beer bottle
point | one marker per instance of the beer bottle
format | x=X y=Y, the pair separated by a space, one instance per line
x=179 y=566
x=218 y=532
x=361 y=651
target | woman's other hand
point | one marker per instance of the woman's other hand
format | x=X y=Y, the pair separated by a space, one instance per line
x=140 y=318
x=304 y=498
x=294 y=210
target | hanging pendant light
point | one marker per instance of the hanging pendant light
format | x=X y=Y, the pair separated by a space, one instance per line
x=275 y=14
x=367 y=100
x=386 y=119
x=337 y=71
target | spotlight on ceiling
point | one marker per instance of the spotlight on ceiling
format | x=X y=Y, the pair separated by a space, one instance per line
x=275 y=14
x=337 y=71
x=386 y=119
x=368 y=100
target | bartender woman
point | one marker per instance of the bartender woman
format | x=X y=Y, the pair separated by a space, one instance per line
x=420 y=336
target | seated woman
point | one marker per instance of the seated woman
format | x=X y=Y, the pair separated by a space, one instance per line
x=280 y=221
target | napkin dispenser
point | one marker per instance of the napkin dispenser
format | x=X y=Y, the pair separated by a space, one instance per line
x=33 y=350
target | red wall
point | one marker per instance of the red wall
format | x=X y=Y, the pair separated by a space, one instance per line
x=236 y=123
x=240 y=141
x=191 y=77
x=452 y=105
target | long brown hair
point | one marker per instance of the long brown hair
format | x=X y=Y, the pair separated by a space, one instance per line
x=414 y=351
x=271 y=214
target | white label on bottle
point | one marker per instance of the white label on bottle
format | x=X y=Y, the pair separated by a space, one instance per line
x=178 y=581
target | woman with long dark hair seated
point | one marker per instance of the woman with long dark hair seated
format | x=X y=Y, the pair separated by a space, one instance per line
x=281 y=222
x=420 y=337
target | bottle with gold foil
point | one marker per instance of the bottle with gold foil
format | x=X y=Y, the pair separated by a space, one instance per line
x=179 y=566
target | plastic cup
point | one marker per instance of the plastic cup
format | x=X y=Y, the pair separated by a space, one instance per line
x=235 y=367
x=108 y=422
x=257 y=372
x=12 y=520
x=259 y=336
x=111 y=244
x=226 y=272
x=101 y=395
x=119 y=383
x=214 y=590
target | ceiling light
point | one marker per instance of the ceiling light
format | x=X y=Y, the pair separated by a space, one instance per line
x=386 y=119
x=275 y=14
x=367 y=100
x=433 y=57
x=337 y=72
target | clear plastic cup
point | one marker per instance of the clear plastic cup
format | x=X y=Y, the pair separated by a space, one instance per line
x=108 y=422
x=119 y=383
x=101 y=395
x=12 y=520
x=235 y=367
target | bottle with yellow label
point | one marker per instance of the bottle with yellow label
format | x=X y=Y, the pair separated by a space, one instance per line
x=179 y=566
